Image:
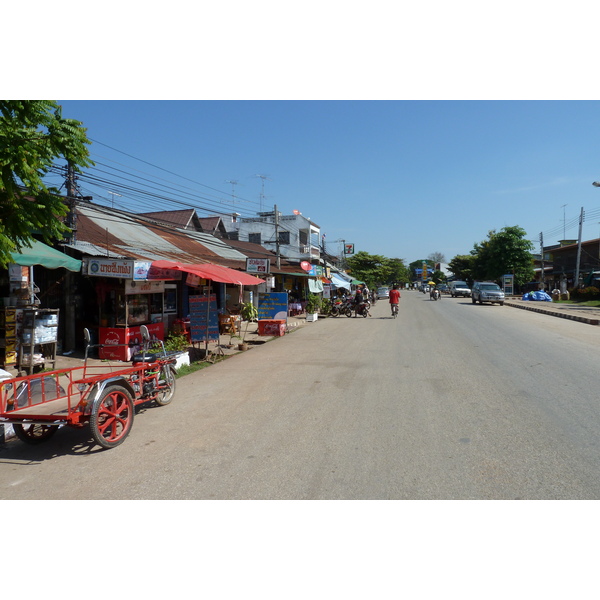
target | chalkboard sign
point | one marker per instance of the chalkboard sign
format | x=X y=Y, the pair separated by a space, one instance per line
x=204 y=319
x=273 y=305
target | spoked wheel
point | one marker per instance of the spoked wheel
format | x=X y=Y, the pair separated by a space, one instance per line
x=348 y=312
x=34 y=433
x=364 y=312
x=112 y=416
x=167 y=383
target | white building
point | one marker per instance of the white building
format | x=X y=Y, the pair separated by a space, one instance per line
x=295 y=237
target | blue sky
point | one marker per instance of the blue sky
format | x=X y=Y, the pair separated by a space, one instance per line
x=398 y=178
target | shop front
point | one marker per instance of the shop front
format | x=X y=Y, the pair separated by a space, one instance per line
x=29 y=333
x=131 y=294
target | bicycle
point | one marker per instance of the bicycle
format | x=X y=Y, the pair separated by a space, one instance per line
x=394 y=310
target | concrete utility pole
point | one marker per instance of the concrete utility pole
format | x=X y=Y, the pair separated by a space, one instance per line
x=576 y=282
x=543 y=279
x=70 y=187
x=69 y=301
x=277 y=253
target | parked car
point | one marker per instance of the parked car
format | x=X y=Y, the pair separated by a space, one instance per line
x=487 y=291
x=459 y=288
x=383 y=292
x=444 y=289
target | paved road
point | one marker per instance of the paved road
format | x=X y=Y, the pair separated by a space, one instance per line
x=449 y=401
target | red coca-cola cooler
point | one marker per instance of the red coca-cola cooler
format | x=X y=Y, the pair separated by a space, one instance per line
x=121 y=343
x=274 y=327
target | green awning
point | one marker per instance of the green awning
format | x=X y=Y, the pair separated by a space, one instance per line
x=357 y=282
x=41 y=254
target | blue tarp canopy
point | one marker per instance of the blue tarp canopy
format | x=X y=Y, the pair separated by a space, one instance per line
x=41 y=254
x=337 y=281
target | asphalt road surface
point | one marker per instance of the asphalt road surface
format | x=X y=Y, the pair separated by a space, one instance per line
x=448 y=401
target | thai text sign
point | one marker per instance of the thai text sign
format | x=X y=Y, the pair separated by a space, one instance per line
x=204 y=319
x=144 y=287
x=258 y=265
x=273 y=305
x=111 y=268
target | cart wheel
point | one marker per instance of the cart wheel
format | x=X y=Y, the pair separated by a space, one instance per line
x=112 y=416
x=167 y=378
x=34 y=433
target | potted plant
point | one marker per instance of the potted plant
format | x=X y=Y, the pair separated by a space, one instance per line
x=312 y=307
x=177 y=342
x=249 y=313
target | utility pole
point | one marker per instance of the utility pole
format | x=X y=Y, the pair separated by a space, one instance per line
x=69 y=304
x=70 y=186
x=576 y=282
x=277 y=253
x=542 y=261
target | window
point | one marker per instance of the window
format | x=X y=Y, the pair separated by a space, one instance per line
x=284 y=237
x=254 y=238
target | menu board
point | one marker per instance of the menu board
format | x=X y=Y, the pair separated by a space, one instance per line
x=273 y=305
x=204 y=319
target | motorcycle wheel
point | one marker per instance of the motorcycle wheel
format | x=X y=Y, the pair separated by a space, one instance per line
x=335 y=311
x=348 y=312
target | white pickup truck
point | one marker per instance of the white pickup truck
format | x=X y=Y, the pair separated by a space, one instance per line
x=460 y=288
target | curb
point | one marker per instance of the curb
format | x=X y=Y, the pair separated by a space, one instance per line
x=554 y=313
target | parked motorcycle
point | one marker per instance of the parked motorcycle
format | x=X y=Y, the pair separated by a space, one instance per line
x=336 y=307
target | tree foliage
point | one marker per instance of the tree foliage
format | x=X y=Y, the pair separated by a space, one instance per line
x=504 y=252
x=461 y=267
x=375 y=269
x=33 y=135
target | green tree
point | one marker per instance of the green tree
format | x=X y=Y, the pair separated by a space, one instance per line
x=438 y=277
x=461 y=266
x=399 y=272
x=505 y=251
x=373 y=269
x=33 y=135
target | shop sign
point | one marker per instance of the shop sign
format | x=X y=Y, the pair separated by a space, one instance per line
x=145 y=270
x=272 y=305
x=316 y=271
x=111 y=268
x=144 y=287
x=258 y=265
x=193 y=280
x=17 y=273
x=204 y=318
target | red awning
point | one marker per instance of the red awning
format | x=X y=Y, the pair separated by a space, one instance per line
x=210 y=271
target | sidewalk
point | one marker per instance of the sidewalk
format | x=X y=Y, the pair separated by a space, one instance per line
x=226 y=346
x=583 y=314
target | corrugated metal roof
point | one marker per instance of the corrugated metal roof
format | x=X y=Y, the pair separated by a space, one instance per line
x=102 y=231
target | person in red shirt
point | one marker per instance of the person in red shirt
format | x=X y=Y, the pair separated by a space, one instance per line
x=394 y=299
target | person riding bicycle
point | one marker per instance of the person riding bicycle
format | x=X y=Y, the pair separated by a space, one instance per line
x=394 y=298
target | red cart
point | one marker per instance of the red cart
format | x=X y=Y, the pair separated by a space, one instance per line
x=103 y=397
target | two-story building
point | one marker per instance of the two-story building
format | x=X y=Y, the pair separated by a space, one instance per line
x=294 y=237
